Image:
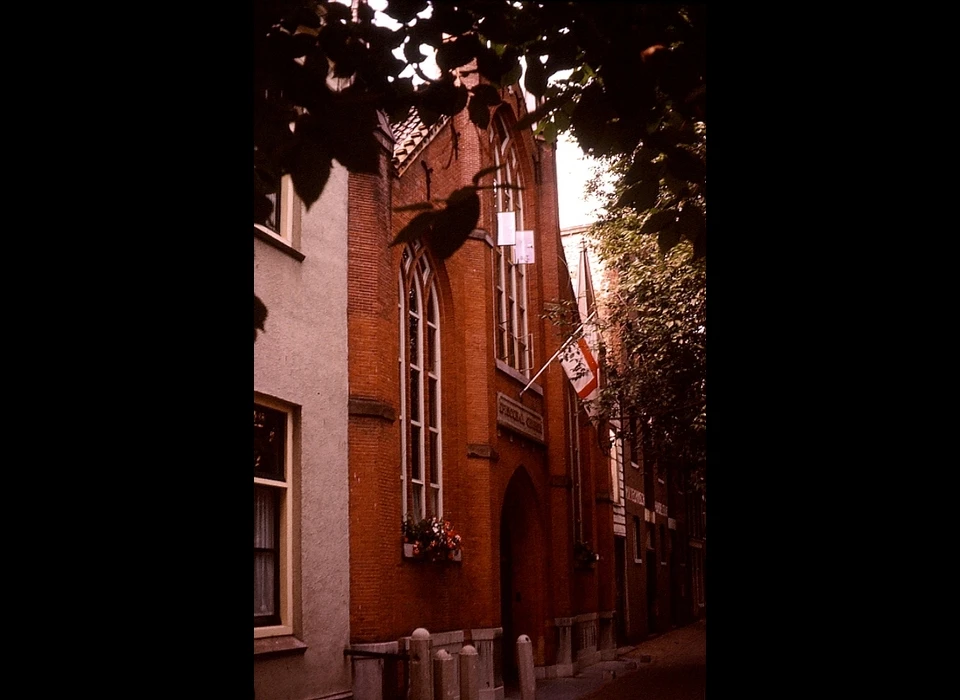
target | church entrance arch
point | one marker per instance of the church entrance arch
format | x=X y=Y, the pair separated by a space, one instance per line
x=522 y=584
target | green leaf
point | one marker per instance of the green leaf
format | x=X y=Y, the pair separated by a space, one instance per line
x=641 y=195
x=349 y=129
x=411 y=52
x=488 y=65
x=337 y=12
x=309 y=161
x=488 y=94
x=685 y=165
x=667 y=239
x=365 y=13
x=259 y=316
x=700 y=245
x=512 y=75
x=543 y=110
x=658 y=220
x=691 y=223
x=457 y=52
x=479 y=112
x=452 y=20
x=509 y=70
x=535 y=77
x=443 y=97
x=427 y=115
x=549 y=132
x=405 y=10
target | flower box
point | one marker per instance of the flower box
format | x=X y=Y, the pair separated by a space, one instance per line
x=430 y=540
x=410 y=553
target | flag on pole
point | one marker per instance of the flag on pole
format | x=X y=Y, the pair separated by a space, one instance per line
x=578 y=354
x=581 y=367
x=587 y=303
x=579 y=359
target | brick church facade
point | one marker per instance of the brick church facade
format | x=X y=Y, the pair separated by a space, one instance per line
x=445 y=422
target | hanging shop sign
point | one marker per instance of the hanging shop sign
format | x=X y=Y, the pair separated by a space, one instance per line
x=518 y=417
x=660 y=508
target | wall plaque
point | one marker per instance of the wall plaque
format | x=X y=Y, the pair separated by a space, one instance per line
x=635 y=496
x=518 y=417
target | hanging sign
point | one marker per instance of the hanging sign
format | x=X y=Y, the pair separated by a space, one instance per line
x=506 y=228
x=523 y=254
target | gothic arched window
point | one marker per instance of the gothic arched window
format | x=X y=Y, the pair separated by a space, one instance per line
x=422 y=466
x=510 y=292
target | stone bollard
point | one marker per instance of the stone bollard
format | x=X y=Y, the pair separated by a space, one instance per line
x=421 y=666
x=444 y=680
x=528 y=682
x=469 y=673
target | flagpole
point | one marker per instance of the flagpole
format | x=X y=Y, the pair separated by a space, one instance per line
x=562 y=348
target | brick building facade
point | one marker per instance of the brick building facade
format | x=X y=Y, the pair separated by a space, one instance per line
x=659 y=521
x=442 y=422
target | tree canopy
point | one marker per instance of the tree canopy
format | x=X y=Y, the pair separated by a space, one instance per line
x=625 y=79
x=655 y=323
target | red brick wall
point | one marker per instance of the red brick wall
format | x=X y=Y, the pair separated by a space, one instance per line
x=391 y=596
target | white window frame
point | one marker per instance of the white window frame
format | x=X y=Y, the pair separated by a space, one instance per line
x=288 y=231
x=417 y=270
x=513 y=344
x=286 y=486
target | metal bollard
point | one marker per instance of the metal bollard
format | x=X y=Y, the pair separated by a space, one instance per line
x=528 y=682
x=421 y=666
x=444 y=676
x=469 y=673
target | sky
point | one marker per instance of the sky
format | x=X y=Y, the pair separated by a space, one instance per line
x=573 y=172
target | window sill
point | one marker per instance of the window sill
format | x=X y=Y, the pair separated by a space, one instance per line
x=408 y=554
x=275 y=241
x=519 y=376
x=269 y=647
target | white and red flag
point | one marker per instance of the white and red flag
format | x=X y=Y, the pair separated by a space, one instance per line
x=578 y=355
x=579 y=358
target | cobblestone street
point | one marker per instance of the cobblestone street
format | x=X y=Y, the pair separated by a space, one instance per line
x=676 y=669
x=671 y=666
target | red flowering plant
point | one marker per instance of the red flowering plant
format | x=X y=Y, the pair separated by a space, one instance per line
x=431 y=538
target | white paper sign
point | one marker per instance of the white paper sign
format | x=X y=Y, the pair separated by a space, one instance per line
x=506 y=228
x=523 y=254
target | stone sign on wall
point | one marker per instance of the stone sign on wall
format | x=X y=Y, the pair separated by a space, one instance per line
x=514 y=415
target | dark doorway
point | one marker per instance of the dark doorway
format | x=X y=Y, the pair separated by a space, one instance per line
x=620 y=556
x=521 y=584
